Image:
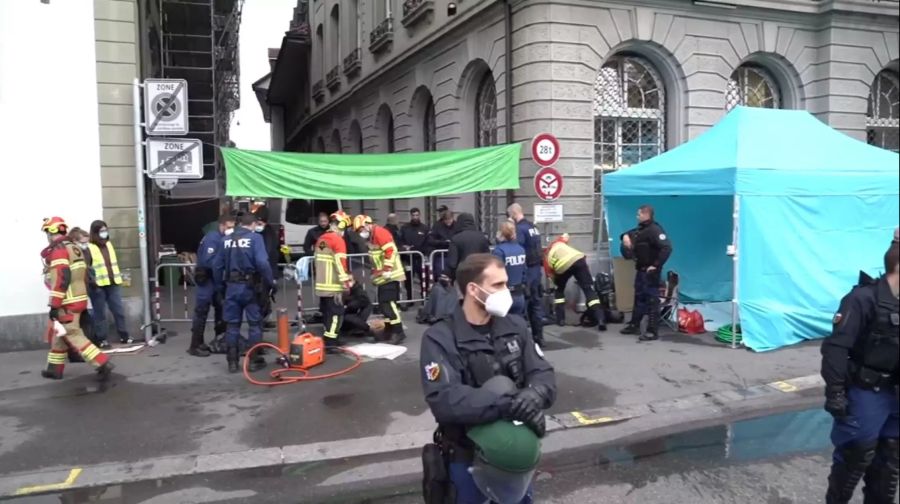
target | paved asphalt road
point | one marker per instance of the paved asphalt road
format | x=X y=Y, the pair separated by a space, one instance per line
x=778 y=459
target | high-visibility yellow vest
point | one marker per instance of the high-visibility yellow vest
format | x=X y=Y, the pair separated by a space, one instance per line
x=101 y=274
x=561 y=256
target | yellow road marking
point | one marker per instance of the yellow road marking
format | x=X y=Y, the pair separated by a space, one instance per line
x=73 y=475
x=784 y=386
x=586 y=420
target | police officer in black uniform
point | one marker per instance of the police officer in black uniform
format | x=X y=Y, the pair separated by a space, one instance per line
x=461 y=354
x=530 y=239
x=650 y=248
x=860 y=363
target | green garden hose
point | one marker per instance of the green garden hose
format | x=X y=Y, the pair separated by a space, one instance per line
x=724 y=334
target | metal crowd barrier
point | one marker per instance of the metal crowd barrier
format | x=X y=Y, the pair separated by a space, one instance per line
x=173 y=282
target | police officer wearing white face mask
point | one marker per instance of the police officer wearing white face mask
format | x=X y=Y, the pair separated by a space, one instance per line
x=460 y=354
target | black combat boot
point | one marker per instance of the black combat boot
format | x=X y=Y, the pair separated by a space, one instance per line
x=104 y=371
x=397 y=334
x=232 y=355
x=560 y=312
x=197 y=348
x=597 y=311
x=652 y=325
x=846 y=475
x=883 y=474
x=53 y=371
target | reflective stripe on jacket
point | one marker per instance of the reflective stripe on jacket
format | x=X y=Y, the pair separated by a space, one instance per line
x=561 y=256
x=331 y=265
x=66 y=272
x=101 y=274
x=385 y=257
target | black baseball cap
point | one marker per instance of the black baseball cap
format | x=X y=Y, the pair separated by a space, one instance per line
x=442 y=208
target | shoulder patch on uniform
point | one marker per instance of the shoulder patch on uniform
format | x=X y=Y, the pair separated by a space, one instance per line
x=322 y=245
x=837 y=318
x=662 y=236
x=210 y=250
x=537 y=349
x=432 y=371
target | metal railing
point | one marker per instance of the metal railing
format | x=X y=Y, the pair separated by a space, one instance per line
x=175 y=301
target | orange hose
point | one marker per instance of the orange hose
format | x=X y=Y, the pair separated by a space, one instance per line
x=277 y=374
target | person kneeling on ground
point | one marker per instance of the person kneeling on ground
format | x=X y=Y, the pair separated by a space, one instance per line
x=357 y=310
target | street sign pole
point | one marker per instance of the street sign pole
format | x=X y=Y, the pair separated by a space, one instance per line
x=146 y=327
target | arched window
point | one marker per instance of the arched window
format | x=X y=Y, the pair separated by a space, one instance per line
x=752 y=86
x=486 y=135
x=883 y=117
x=355 y=140
x=486 y=108
x=429 y=144
x=319 y=54
x=428 y=127
x=629 y=121
x=334 y=37
x=336 y=142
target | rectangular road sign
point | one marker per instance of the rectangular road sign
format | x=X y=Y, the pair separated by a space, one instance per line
x=180 y=158
x=548 y=213
x=165 y=107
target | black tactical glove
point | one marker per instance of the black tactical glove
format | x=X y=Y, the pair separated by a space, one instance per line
x=538 y=424
x=526 y=404
x=836 y=401
x=54 y=314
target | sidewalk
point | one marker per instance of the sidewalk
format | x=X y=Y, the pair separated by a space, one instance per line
x=164 y=403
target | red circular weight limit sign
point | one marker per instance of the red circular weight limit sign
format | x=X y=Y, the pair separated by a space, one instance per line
x=545 y=149
x=548 y=184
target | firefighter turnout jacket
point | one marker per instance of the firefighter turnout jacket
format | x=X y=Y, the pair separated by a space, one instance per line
x=386 y=265
x=66 y=274
x=332 y=272
x=560 y=256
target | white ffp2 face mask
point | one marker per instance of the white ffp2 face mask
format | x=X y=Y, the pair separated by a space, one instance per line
x=497 y=303
x=364 y=235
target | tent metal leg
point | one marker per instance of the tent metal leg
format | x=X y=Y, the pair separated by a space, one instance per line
x=734 y=260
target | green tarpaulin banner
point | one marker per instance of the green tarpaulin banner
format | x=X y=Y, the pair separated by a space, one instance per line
x=370 y=176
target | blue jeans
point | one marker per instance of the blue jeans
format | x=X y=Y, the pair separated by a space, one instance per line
x=466 y=490
x=101 y=297
x=240 y=301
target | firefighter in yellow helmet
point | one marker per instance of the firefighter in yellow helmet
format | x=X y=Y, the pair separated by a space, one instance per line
x=562 y=262
x=65 y=274
x=387 y=274
x=333 y=276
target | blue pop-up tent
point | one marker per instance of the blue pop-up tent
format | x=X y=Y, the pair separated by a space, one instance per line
x=804 y=207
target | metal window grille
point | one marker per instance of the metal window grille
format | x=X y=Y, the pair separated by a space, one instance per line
x=883 y=117
x=486 y=131
x=430 y=145
x=752 y=86
x=629 y=122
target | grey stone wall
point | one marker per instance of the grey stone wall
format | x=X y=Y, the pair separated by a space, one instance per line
x=823 y=60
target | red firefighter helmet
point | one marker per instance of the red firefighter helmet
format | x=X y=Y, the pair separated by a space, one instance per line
x=341 y=218
x=54 y=225
x=361 y=220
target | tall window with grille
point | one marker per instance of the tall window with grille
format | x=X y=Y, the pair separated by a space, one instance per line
x=883 y=117
x=752 y=86
x=486 y=135
x=629 y=122
x=429 y=144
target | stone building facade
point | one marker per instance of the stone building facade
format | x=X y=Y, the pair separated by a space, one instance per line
x=616 y=82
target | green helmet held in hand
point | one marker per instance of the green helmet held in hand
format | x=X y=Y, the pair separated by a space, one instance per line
x=506 y=456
